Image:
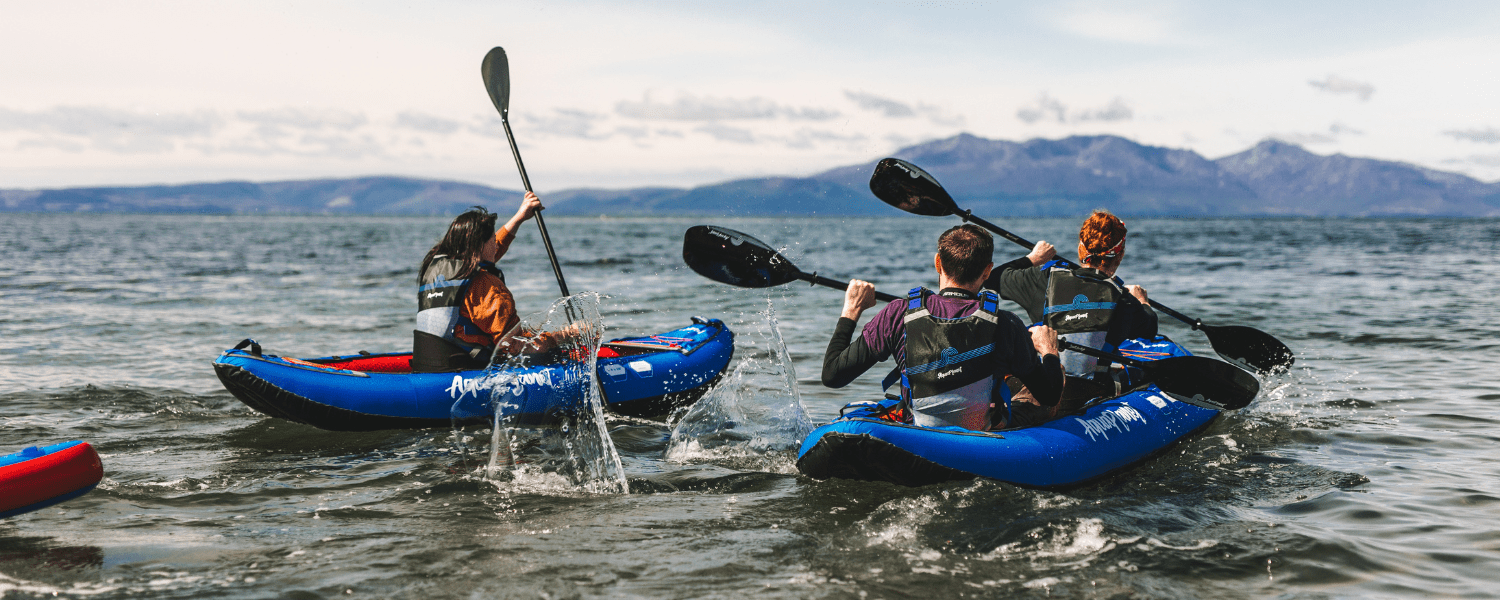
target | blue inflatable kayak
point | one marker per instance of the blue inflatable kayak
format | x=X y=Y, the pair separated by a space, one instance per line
x=645 y=376
x=1106 y=436
x=41 y=476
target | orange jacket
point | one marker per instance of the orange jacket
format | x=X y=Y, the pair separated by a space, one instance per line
x=489 y=303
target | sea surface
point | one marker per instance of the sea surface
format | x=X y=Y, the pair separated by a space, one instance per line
x=1371 y=470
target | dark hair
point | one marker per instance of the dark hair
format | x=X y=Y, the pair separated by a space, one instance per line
x=464 y=240
x=965 y=251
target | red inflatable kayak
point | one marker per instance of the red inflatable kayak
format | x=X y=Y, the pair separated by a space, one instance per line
x=38 y=477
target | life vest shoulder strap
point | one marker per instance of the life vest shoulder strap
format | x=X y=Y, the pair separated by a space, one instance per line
x=916 y=304
x=989 y=306
x=492 y=269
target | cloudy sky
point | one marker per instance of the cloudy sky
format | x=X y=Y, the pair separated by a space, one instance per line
x=623 y=94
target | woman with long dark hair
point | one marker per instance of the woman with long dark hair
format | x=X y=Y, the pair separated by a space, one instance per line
x=463 y=306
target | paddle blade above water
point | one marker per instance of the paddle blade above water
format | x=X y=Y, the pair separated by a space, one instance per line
x=909 y=188
x=728 y=256
x=1250 y=348
x=496 y=72
x=1203 y=381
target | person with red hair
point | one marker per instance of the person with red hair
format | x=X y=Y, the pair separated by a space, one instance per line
x=1088 y=305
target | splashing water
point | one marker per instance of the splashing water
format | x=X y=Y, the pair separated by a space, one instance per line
x=548 y=427
x=756 y=410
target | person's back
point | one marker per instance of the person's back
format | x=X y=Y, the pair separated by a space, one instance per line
x=463 y=305
x=1087 y=305
x=954 y=348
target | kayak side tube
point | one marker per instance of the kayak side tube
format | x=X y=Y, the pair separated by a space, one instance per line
x=1104 y=438
x=645 y=376
x=39 y=477
x=1107 y=437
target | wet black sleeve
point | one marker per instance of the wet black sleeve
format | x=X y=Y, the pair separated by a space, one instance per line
x=1148 y=322
x=994 y=282
x=1042 y=375
x=1026 y=286
x=843 y=361
x=1046 y=381
x=1135 y=320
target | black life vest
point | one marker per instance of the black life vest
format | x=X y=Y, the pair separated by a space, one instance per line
x=949 y=373
x=440 y=300
x=1080 y=305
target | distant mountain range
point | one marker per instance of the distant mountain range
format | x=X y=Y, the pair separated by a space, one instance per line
x=1066 y=177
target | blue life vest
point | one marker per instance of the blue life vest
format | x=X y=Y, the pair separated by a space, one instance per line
x=440 y=302
x=949 y=373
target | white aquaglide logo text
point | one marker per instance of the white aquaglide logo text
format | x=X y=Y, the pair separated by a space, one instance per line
x=1117 y=420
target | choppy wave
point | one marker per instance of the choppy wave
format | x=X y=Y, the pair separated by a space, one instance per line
x=1367 y=471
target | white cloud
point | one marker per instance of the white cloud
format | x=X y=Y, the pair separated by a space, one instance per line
x=288 y=131
x=1334 y=84
x=1303 y=139
x=885 y=106
x=427 y=123
x=566 y=122
x=1488 y=135
x=1335 y=132
x=895 y=109
x=1342 y=129
x=810 y=138
x=306 y=118
x=1116 y=110
x=1111 y=23
x=108 y=129
x=725 y=133
x=1479 y=160
x=340 y=146
x=1176 y=66
x=50 y=144
x=693 y=108
x=897 y=140
x=1047 y=108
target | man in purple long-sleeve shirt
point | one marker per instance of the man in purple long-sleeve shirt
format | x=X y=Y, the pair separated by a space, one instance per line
x=934 y=338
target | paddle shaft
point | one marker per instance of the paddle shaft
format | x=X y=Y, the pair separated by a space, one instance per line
x=540 y=223
x=824 y=281
x=968 y=216
x=1081 y=349
x=814 y=279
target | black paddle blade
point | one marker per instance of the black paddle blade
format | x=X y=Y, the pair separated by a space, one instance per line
x=1250 y=348
x=728 y=256
x=496 y=72
x=1203 y=381
x=907 y=187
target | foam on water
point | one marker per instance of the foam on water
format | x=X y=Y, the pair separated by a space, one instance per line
x=577 y=447
x=755 y=415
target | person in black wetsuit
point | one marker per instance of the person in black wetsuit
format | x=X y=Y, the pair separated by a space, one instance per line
x=954 y=348
x=1088 y=305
